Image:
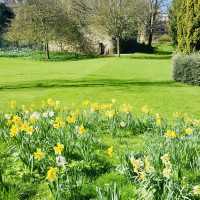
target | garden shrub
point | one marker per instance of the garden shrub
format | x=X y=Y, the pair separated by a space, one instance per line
x=164 y=38
x=186 y=68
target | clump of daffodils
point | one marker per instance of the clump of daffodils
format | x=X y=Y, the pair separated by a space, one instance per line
x=167 y=171
x=141 y=167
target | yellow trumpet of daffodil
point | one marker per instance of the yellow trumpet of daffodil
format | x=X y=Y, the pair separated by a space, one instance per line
x=59 y=148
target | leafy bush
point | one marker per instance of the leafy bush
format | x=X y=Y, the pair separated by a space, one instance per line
x=186 y=68
x=164 y=38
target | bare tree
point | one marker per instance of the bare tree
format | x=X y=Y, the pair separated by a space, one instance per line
x=147 y=14
x=115 y=16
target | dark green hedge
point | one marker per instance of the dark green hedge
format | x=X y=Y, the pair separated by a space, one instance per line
x=186 y=68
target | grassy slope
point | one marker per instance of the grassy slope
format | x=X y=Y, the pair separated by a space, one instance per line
x=137 y=79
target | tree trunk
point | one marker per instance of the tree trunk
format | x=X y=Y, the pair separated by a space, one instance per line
x=47 y=50
x=150 y=39
x=118 y=47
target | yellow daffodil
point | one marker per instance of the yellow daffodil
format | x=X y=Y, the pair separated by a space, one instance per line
x=147 y=165
x=71 y=119
x=142 y=175
x=59 y=148
x=188 y=131
x=58 y=123
x=170 y=134
x=81 y=130
x=39 y=155
x=52 y=174
x=136 y=163
x=110 y=151
x=26 y=128
x=29 y=130
x=14 y=131
x=165 y=158
x=196 y=190
x=16 y=120
x=167 y=172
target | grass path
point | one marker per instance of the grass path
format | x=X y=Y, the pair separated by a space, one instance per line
x=136 y=79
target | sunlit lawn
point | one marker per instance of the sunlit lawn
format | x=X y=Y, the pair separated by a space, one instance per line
x=137 y=79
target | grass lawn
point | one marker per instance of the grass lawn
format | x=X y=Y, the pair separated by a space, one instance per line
x=138 y=79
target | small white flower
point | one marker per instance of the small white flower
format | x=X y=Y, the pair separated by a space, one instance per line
x=51 y=113
x=122 y=124
x=7 y=116
x=37 y=129
x=45 y=115
x=60 y=161
x=35 y=115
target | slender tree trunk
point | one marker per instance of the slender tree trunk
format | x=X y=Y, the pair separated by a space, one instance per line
x=150 y=39
x=47 y=50
x=154 y=13
x=118 y=47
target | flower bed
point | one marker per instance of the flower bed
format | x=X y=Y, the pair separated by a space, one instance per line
x=63 y=148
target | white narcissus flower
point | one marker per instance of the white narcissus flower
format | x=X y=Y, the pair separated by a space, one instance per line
x=196 y=190
x=45 y=115
x=60 y=161
x=51 y=113
x=35 y=115
x=122 y=124
x=7 y=116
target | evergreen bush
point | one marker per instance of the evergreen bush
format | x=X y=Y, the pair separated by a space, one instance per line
x=186 y=68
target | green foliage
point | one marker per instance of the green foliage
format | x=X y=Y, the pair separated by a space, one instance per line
x=173 y=17
x=185 y=23
x=186 y=68
x=164 y=39
x=6 y=14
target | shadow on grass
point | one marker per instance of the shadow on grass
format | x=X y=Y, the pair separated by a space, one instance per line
x=151 y=56
x=89 y=83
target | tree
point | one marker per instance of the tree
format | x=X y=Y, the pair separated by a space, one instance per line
x=188 y=26
x=147 y=14
x=116 y=17
x=43 y=21
x=185 y=25
x=6 y=15
x=173 y=17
